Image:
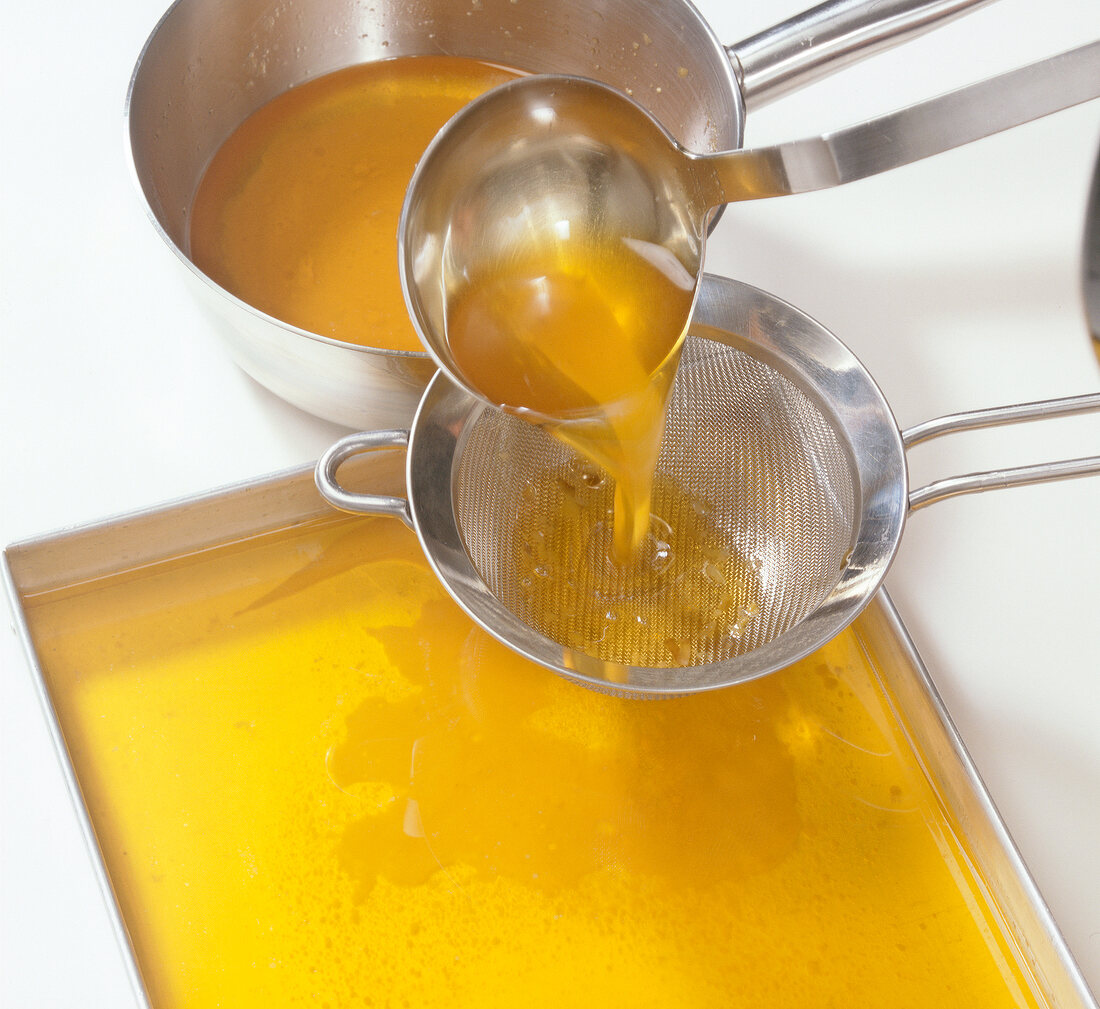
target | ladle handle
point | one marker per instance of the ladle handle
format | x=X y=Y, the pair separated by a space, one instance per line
x=353 y=501
x=910 y=134
x=1019 y=476
x=829 y=37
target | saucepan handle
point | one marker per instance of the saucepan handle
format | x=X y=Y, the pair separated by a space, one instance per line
x=829 y=37
x=1019 y=476
x=353 y=501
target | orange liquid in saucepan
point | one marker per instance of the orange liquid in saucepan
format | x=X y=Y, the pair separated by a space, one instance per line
x=297 y=212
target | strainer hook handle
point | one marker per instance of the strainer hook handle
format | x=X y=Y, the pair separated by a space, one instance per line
x=1019 y=476
x=353 y=501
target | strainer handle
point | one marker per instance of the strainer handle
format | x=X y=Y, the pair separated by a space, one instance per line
x=1019 y=476
x=353 y=501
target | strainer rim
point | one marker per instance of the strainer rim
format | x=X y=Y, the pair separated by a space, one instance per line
x=799 y=347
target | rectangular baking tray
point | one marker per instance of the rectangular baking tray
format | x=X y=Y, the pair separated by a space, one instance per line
x=250 y=511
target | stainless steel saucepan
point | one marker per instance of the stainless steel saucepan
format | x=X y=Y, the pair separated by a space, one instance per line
x=208 y=65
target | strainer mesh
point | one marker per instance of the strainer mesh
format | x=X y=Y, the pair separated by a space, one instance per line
x=754 y=497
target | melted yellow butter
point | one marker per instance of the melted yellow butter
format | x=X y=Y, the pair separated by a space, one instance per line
x=315 y=783
x=583 y=336
x=297 y=212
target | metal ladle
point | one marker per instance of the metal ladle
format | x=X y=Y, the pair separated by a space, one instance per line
x=550 y=158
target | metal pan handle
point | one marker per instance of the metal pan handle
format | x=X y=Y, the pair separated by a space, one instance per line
x=829 y=37
x=352 y=501
x=1020 y=476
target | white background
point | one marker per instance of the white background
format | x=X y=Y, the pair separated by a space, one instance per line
x=956 y=281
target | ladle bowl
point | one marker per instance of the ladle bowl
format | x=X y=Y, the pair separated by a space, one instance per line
x=550 y=159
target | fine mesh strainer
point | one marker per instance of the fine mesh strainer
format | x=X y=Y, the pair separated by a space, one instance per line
x=780 y=454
